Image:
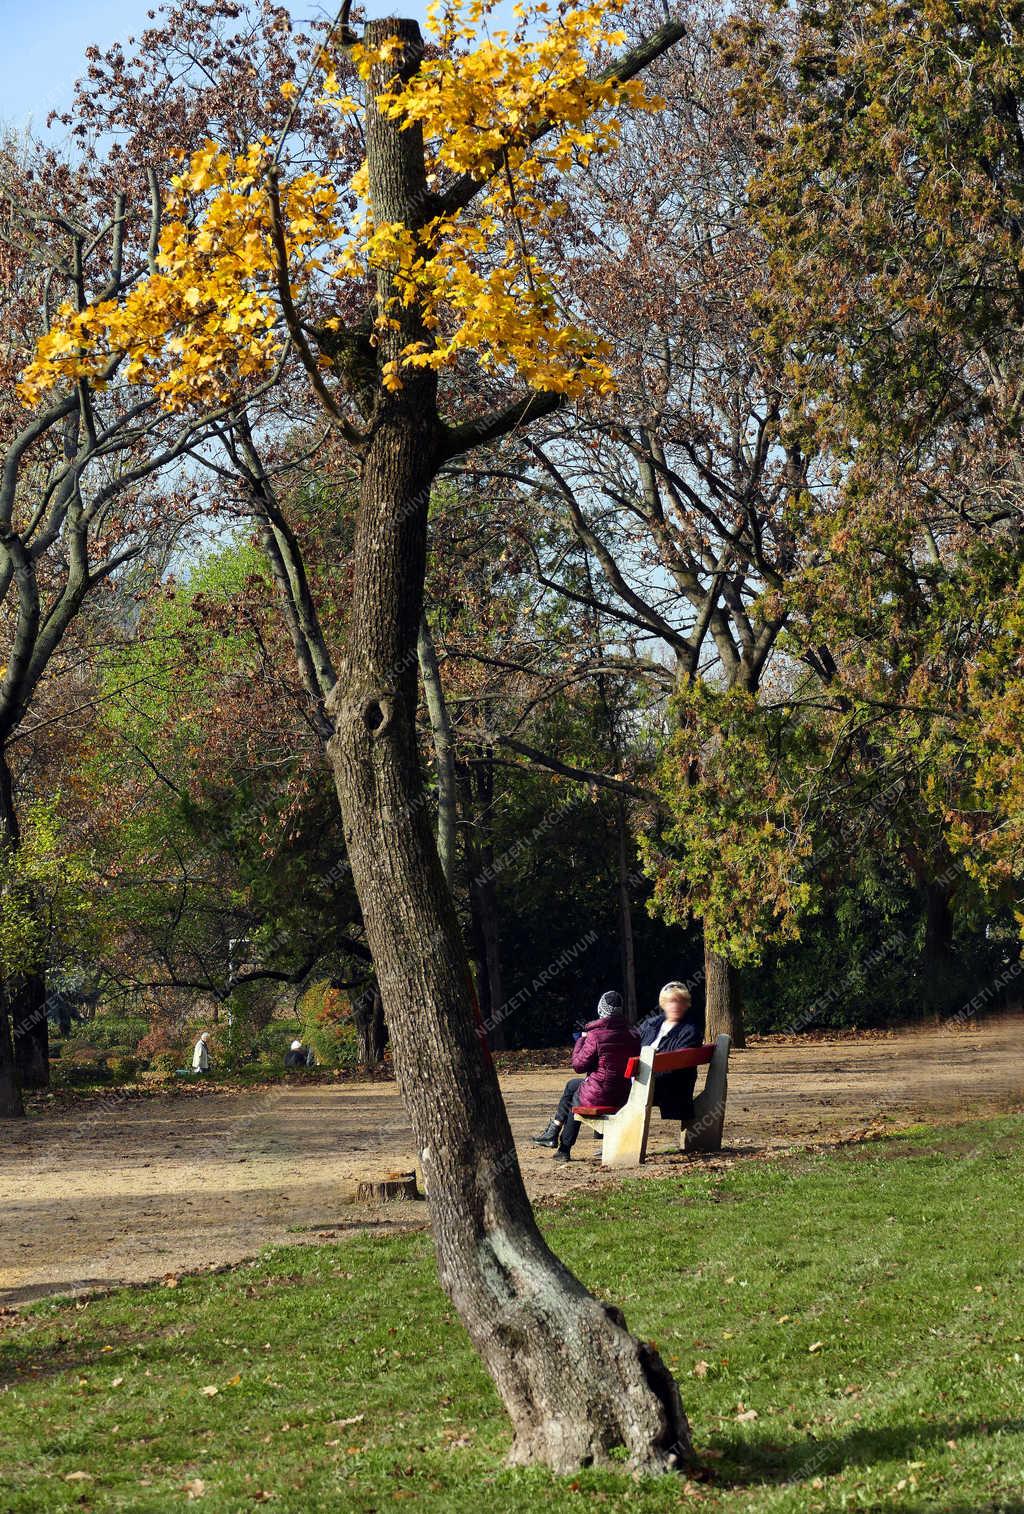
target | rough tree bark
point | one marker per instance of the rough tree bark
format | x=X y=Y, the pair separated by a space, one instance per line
x=575 y=1383
x=723 y=1005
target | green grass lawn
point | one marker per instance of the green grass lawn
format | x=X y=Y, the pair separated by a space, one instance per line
x=866 y=1306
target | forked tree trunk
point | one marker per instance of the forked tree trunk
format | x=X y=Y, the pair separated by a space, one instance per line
x=723 y=1012
x=574 y=1382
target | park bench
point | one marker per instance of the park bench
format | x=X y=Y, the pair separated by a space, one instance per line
x=625 y=1130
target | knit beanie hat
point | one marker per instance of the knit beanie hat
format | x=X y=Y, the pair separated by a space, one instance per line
x=609 y=1004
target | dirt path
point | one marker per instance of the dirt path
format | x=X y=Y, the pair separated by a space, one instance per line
x=125 y=1192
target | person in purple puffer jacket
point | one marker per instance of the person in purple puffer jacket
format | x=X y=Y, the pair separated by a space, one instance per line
x=601 y=1054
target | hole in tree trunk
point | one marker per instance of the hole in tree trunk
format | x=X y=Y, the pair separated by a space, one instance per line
x=373 y=715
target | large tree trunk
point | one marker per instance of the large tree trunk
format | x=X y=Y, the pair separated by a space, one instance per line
x=574 y=1382
x=30 y=1029
x=723 y=1012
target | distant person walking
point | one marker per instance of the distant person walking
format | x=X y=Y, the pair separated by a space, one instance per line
x=201 y=1054
x=601 y=1053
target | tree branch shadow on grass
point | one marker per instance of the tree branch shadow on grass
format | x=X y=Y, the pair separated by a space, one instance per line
x=745 y=1463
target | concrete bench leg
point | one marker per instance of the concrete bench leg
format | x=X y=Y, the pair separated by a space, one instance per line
x=625 y=1135
x=704 y=1130
x=625 y=1131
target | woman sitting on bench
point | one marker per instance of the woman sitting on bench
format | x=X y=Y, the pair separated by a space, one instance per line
x=601 y=1052
x=671 y=1029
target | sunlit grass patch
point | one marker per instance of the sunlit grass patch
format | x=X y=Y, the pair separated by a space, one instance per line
x=847 y=1329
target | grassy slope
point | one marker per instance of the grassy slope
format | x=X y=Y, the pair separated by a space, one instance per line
x=902 y=1259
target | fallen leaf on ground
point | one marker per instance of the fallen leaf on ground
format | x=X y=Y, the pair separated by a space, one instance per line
x=701 y=1369
x=815 y=1346
x=746 y=1416
x=210 y=1391
x=79 y=1477
x=195 y=1489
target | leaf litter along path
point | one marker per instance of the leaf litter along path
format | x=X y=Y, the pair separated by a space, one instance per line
x=125 y=1191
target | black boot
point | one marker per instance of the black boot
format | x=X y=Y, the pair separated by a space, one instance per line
x=548 y=1137
x=562 y=1155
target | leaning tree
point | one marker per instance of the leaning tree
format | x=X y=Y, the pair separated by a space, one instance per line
x=439 y=231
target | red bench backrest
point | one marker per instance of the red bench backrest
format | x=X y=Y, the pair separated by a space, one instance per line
x=672 y=1061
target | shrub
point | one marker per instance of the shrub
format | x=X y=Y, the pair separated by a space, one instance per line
x=110 y=1031
x=80 y=1065
x=271 y=1043
x=166 y=1062
x=328 y=1026
x=84 y=1054
x=157 y=1041
x=123 y=1065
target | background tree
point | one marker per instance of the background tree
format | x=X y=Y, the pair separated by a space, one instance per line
x=677 y=488
x=77 y=494
x=887 y=195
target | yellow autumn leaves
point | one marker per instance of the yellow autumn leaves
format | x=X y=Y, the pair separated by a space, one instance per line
x=207 y=321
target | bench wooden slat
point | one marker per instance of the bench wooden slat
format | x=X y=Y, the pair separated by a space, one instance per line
x=673 y=1061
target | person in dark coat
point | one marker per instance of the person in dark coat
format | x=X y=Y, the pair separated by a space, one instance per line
x=296 y=1055
x=600 y=1054
x=671 y=1029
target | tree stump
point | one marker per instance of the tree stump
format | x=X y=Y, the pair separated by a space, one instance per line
x=394 y=1185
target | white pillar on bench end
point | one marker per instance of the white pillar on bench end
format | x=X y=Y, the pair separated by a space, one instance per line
x=625 y=1132
x=704 y=1130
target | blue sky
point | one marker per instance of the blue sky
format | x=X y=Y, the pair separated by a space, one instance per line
x=44 y=51
x=45 y=41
